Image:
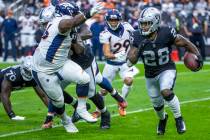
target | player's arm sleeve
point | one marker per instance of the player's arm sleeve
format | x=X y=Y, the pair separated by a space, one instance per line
x=172 y=34
x=104 y=38
x=6 y=89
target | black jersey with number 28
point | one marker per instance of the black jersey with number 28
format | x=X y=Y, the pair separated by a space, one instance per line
x=155 y=54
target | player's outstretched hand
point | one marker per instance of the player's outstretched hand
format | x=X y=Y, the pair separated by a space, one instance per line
x=97 y=8
x=200 y=62
x=18 y=118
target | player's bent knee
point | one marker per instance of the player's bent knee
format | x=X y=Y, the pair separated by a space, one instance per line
x=99 y=78
x=169 y=97
x=84 y=79
x=158 y=108
x=128 y=81
x=59 y=103
x=166 y=92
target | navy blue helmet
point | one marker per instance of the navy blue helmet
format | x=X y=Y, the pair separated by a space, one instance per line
x=113 y=15
x=67 y=8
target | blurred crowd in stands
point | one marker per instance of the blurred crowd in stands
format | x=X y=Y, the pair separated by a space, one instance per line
x=188 y=17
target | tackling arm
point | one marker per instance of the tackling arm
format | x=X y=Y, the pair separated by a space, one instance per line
x=67 y=24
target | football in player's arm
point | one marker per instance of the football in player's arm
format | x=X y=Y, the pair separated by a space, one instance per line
x=153 y=44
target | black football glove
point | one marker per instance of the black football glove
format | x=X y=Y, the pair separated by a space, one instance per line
x=200 y=63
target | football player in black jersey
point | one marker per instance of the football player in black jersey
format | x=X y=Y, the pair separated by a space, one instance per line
x=15 y=78
x=153 y=44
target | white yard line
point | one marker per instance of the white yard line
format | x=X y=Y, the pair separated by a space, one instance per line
x=115 y=115
x=120 y=80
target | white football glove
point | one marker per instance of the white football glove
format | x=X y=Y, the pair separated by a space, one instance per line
x=94 y=10
x=18 y=118
x=120 y=56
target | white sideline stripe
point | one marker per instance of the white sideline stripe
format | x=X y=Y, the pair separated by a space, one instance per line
x=119 y=80
x=115 y=115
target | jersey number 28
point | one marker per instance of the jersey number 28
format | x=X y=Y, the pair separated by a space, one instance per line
x=160 y=58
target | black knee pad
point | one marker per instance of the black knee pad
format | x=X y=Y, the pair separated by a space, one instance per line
x=59 y=111
x=169 y=97
x=159 y=108
x=68 y=99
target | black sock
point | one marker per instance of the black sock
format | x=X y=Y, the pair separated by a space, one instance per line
x=97 y=99
x=68 y=99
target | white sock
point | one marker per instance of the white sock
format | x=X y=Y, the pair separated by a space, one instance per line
x=103 y=110
x=113 y=92
x=81 y=103
x=175 y=106
x=125 y=90
x=73 y=102
x=64 y=117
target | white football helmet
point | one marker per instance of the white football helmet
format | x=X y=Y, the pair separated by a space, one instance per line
x=25 y=68
x=149 y=20
x=46 y=14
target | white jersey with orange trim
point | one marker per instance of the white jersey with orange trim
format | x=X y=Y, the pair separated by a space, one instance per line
x=118 y=42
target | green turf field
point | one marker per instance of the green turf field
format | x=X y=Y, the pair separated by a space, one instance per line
x=193 y=90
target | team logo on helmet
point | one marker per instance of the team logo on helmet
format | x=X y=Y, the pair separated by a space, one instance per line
x=113 y=19
x=149 y=20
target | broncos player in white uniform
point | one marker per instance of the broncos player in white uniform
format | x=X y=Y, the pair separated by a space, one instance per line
x=51 y=65
x=86 y=60
x=116 y=43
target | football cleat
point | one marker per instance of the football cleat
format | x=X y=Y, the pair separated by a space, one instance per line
x=180 y=125
x=48 y=122
x=105 y=120
x=75 y=117
x=96 y=114
x=162 y=125
x=84 y=114
x=121 y=107
x=69 y=126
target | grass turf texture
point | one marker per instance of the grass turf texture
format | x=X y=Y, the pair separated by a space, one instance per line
x=138 y=124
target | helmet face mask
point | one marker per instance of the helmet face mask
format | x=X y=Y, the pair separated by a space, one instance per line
x=113 y=19
x=113 y=24
x=149 y=21
x=145 y=26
